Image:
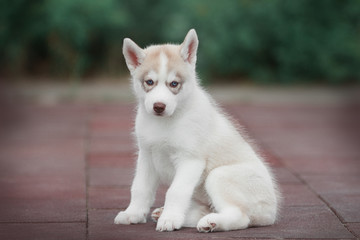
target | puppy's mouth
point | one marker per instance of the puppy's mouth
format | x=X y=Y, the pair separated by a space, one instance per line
x=159 y=114
x=162 y=114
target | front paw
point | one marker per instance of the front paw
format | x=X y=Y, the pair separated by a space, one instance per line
x=169 y=222
x=126 y=217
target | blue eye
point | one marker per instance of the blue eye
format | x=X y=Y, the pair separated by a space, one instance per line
x=149 y=82
x=174 y=84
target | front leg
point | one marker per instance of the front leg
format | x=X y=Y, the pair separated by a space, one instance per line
x=143 y=192
x=178 y=196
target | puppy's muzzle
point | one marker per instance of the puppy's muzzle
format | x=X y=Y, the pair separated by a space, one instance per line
x=159 y=108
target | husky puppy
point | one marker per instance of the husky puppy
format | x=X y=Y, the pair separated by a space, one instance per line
x=217 y=182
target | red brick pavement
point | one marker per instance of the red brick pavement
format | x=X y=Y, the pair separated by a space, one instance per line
x=66 y=170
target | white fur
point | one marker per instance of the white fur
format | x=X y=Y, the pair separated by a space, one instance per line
x=217 y=181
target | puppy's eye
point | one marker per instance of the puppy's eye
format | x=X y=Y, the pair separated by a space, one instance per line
x=174 y=84
x=149 y=82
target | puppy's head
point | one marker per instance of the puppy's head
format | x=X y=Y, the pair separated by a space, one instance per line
x=163 y=75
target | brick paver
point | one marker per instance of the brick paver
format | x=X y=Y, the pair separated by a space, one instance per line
x=66 y=170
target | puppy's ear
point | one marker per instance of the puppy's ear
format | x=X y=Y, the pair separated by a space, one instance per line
x=133 y=54
x=189 y=47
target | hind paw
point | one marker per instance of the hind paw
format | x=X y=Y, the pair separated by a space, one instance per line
x=155 y=215
x=206 y=224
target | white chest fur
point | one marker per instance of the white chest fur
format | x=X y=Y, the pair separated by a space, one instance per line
x=163 y=162
x=168 y=140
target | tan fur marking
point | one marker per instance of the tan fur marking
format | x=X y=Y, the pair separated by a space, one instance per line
x=146 y=87
x=152 y=62
x=175 y=90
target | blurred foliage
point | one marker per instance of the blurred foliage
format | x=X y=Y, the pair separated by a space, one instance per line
x=266 y=41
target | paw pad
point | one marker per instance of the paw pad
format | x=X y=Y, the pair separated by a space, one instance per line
x=208 y=227
x=155 y=215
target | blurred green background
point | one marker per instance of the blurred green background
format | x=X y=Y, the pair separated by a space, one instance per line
x=277 y=41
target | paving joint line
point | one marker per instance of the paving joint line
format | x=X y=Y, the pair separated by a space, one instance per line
x=87 y=136
x=352 y=232
x=341 y=219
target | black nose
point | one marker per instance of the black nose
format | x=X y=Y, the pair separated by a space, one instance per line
x=159 y=107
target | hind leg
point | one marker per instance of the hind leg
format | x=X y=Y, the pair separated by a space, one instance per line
x=241 y=196
x=228 y=219
x=195 y=213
